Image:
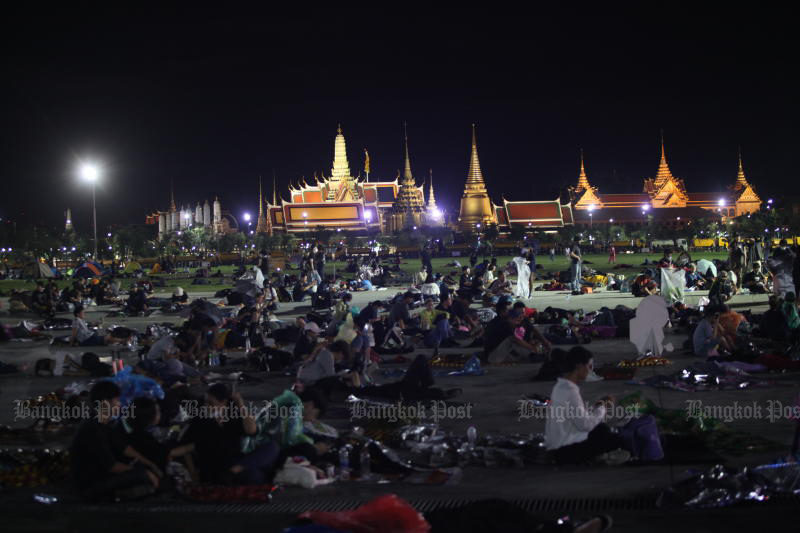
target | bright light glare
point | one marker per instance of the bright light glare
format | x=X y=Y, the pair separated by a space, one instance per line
x=89 y=172
x=646 y=207
x=721 y=202
x=247 y=217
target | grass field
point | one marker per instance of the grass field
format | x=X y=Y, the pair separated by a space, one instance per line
x=596 y=261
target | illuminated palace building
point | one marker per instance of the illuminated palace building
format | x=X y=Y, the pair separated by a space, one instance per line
x=344 y=202
x=664 y=200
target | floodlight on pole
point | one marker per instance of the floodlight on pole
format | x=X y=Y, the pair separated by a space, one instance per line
x=90 y=172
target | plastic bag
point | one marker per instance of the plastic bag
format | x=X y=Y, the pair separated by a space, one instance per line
x=135 y=386
x=386 y=514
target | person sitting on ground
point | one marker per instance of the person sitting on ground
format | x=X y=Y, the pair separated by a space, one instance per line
x=465 y=281
x=146 y=286
x=466 y=316
x=41 y=302
x=573 y=433
x=100 y=460
x=722 y=289
x=532 y=335
x=135 y=430
x=307 y=342
x=215 y=440
x=137 y=302
x=666 y=261
x=400 y=315
x=342 y=307
x=754 y=281
x=430 y=289
x=179 y=296
x=644 y=285
x=489 y=274
x=428 y=315
x=83 y=336
x=500 y=287
x=693 y=278
x=440 y=334
x=303 y=288
x=729 y=322
x=708 y=336
x=789 y=311
x=501 y=345
x=320 y=368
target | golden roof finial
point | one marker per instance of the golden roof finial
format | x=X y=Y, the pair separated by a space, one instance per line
x=260 y=199
x=475 y=176
x=339 y=128
x=663 y=174
x=741 y=179
x=274 y=189
x=407 y=171
x=431 y=197
x=583 y=180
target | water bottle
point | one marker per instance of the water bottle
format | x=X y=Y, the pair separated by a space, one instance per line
x=472 y=436
x=247 y=345
x=344 y=462
x=364 y=460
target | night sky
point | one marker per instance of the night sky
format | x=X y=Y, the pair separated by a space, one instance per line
x=212 y=99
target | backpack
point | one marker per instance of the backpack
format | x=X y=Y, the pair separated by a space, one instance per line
x=640 y=437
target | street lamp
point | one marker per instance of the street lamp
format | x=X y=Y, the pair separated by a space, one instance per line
x=91 y=173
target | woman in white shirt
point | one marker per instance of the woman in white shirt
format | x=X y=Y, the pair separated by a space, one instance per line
x=430 y=289
x=574 y=432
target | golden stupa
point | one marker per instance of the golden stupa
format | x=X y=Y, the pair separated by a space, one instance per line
x=476 y=206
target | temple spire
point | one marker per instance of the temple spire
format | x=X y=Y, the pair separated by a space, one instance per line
x=261 y=224
x=664 y=174
x=172 y=195
x=741 y=177
x=583 y=180
x=274 y=189
x=431 y=197
x=475 y=176
x=260 y=199
x=341 y=168
x=407 y=172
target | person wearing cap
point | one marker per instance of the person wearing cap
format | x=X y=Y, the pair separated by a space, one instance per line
x=500 y=343
x=307 y=341
x=179 y=296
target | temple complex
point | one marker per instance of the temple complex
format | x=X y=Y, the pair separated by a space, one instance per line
x=663 y=197
x=345 y=202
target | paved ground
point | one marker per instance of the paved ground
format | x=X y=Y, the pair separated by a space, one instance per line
x=494 y=400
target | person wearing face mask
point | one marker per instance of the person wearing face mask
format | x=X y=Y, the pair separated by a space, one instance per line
x=666 y=261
